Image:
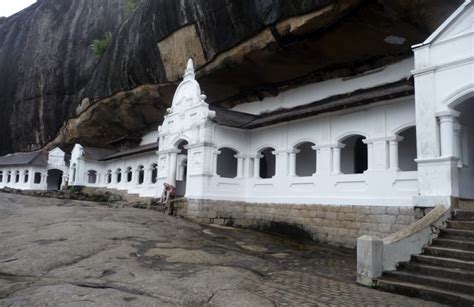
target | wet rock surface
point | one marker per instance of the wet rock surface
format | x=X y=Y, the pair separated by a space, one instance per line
x=72 y=253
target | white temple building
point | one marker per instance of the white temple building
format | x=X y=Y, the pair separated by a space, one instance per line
x=397 y=137
x=40 y=170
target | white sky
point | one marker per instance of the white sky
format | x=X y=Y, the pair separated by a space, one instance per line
x=10 y=7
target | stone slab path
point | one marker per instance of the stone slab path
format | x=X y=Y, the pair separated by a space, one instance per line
x=68 y=253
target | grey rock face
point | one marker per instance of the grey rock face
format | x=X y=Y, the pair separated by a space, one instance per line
x=46 y=60
x=51 y=82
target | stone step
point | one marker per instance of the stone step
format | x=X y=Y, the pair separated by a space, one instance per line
x=466 y=204
x=438 y=271
x=454 y=285
x=449 y=253
x=443 y=262
x=427 y=292
x=467 y=225
x=457 y=233
x=456 y=244
x=463 y=215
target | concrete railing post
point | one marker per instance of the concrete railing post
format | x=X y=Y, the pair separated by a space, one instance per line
x=369 y=259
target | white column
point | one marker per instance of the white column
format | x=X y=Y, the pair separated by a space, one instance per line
x=124 y=178
x=214 y=162
x=324 y=159
x=240 y=166
x=172 y=168
x=370 y=156
x=247 y=167
x=292 y=170
x=256 y=167
x=135 y=177
x=446 y=127
x=457 y=142
x=336 y=159
x=393 y=153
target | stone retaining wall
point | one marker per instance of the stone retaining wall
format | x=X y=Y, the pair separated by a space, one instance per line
x=336 y=225
x=86 y=194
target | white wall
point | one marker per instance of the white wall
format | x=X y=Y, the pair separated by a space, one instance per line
x=147 y=189
x=377 y=186
x=22 y=185
x=318 y=91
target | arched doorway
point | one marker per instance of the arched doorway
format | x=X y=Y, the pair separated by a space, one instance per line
x=267 y=163
x=226 y=163
x=407 y=150
x=354 y=155
x=181 y=168
x=55 y=178
x=305 y=163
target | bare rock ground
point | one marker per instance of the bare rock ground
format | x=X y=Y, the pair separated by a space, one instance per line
x=71 y=253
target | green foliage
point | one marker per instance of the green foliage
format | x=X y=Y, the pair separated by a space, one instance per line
x=100 y=45
x=131 y=6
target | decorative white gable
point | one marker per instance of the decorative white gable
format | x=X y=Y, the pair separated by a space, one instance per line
x=56 y=157
x=189 y=107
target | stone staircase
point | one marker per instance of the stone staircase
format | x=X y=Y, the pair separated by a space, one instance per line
x=444 y=271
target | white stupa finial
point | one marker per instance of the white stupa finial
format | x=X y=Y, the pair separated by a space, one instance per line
x=189 y=72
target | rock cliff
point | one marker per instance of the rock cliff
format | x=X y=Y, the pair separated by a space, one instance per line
x=54 y=90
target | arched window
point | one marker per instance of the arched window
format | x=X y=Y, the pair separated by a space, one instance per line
x=154 y=173
x=1 y=176
x=129 y=174
x=407 y=150
x=118 y=173
x=227 y=163
x=17 y=176
x=354 y=155
x=305 y=160
x=26 y=176
x=92 y=177
x=109 y=176
x=37 y=178
x=267 y=163
x=141 y=174
x=9 y=176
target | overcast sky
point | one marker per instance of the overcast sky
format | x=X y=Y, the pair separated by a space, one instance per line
x=10 y=7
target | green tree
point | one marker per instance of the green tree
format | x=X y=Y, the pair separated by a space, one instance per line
x=100 y=45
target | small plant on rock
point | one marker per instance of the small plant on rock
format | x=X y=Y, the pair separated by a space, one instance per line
x=100 y=45
x=131 y=6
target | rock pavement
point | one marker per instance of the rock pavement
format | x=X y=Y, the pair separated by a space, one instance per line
x=70 y=253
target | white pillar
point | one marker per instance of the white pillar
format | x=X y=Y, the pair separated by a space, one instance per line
x=247 y=167
x=370 y=156
x=292 y=170
x=393 y=153
x=256 y=167
x=324 y=159
x=172 y=168
x=336 y=159
x=446 y=127
x=457 y=142
x=214 y=162
x=124 y=178
x=240 y=166
x=135 y=176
